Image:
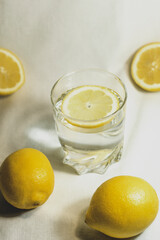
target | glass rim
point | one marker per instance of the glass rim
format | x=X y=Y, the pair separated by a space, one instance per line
x=83 y=70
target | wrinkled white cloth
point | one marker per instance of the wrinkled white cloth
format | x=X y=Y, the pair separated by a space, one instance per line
x=52 y=38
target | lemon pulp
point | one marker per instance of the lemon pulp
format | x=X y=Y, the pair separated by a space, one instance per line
x=11 y=72
x=145 y=67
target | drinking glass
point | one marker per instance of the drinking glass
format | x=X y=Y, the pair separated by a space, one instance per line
x=90 y=149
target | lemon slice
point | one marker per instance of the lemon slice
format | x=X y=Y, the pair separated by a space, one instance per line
x=89 y=104
x=11 y=72
x=145 y=67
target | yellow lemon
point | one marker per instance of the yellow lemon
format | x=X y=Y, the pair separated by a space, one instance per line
x=145 y=67
x=122 y=207
x=86 y=104
x=26 y=178
x=11 y=72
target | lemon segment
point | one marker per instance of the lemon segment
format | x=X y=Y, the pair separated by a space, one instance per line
x=145 y=67
x=12 y=75
x=89 y=103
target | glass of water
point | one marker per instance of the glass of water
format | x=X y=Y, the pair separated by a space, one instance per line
x=89 y=111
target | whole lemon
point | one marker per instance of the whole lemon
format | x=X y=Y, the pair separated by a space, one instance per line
x=26 y=178
x=122 y=207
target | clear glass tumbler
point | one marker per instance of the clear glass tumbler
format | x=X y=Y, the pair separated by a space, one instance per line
x=90 y=149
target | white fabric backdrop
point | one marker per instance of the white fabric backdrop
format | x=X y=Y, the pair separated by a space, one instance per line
x=54 y=37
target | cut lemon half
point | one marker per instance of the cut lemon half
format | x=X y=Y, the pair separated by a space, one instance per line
x=11 y=72
x=87 y=106
x=145 y=67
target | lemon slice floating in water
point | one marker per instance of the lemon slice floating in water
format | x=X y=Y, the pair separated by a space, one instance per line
x=88 y=105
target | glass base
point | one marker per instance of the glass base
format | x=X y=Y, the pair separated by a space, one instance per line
x=95 y=161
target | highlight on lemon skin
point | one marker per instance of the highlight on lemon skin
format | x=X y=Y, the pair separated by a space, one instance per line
x=122 y=207
x=12 y=75
x=26 y=178
x=145 y=67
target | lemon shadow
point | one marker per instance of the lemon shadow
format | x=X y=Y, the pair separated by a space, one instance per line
x=3 y=97
x=73 y=219
x=7 y=210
